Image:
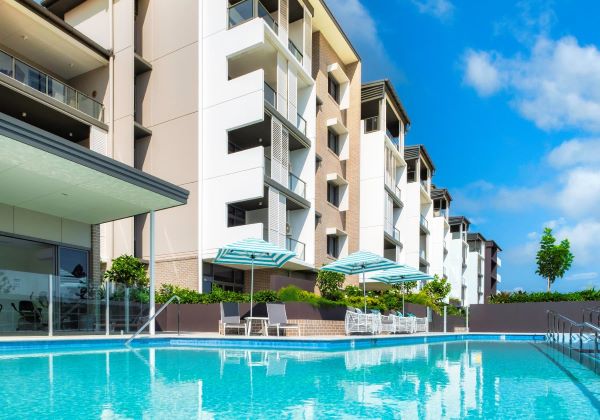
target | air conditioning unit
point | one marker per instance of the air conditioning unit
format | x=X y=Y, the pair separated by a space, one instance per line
x=288 y=229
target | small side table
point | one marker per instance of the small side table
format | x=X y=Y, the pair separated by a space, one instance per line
x=250 y=319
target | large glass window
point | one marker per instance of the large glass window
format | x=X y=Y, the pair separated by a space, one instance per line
x=26 y=269
x=333 y=87
x=226 y=278
x=333 y=142
x=235 y=216
x=333 y=194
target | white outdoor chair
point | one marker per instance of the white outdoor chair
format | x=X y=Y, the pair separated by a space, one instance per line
x=230 y=317
x=278 y=318
x=357 y=322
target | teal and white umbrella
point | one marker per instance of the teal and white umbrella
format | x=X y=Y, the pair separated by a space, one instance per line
x=400 y=275
x=360 y=262
x=253 y=252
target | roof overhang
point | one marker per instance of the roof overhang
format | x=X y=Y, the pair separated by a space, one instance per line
x=325 y=22
x=45 y=173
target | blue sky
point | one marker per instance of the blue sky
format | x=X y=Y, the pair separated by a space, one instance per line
x=506 y=97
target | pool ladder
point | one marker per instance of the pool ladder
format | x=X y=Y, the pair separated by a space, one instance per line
x=586 y=334
x=153 y=317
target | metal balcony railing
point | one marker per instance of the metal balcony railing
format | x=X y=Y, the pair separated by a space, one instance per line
x=371 y=124
x=40 y=81
x=295 y=51
x=245 y=10
x=270 y=95
x=291 y=244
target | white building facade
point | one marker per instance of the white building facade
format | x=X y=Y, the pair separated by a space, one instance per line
x=439 y=232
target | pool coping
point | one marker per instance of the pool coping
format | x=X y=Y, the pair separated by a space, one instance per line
x=15 y=344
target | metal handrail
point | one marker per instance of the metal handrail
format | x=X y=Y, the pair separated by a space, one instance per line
x=591 y=312
x=162 y=308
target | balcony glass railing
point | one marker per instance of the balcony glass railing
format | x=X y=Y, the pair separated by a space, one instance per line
x=270 y=95
x=295 y=51
x=245 y=10
x=441 y=213
x=391 y=230
x=395 y=140
x=371 y=124
x=49 y=86
x=296 y=246
x=295 y=184
x=264 y=14
x=423 y=254
x=424 y=222
x=301 y=124
x=425 y=184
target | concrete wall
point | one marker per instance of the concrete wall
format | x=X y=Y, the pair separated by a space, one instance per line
x=41 y=226
x=522 y=317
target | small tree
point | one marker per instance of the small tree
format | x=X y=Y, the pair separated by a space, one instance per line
x=553 y=260
x=127 y=270
x=330 y=283
x=437 y=289
x=405 y=286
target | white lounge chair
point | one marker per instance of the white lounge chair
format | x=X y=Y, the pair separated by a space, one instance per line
x=404 y=324
x=278 y=318
x=357 y=322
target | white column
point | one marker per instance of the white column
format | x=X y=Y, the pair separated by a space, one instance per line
x=152 y=329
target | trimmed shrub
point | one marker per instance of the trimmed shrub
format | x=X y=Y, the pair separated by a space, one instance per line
x=520 y=297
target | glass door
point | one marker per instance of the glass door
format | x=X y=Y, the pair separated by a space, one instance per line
x=73 y=305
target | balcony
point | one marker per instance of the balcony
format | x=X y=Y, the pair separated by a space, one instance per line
x=47 y=85
x=246 y=10
x=445 y=247
x=296 y=246
x=295 y=184
x=295 y=51
x=423 y=256
x=425 y=184
x=498 y=262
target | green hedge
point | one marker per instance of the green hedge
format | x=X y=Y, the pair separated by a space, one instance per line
x=350 y=296
x=519 y=297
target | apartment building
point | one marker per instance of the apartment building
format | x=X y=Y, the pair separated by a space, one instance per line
x=474 y=273
x=493 y=263
x=439 y=232
x=456 y=260
x=384 y=228
x=336 y=69
x=418 y=209
x=67 y=160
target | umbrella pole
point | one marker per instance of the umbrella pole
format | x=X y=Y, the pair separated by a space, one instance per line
x=403 y=314
x=364 y=291
x=251 y=286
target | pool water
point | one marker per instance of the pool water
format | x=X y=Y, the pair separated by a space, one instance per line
x=463 y=379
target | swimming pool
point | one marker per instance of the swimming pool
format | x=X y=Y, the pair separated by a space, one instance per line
x=475 y=378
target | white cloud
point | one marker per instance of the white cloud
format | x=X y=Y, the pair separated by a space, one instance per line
x=361 y=28
x=532 y=235
x=553 y=224
x=441 y=9
x=583 y=237
x=575 y=152
x=481 y=73
x=583 y=276
x=557 y=86
x=580 y=192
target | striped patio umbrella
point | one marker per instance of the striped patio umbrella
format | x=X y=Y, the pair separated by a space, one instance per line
x=360 y=262
x=253 y=252
x=400 y=275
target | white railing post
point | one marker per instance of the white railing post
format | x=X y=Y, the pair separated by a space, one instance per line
x=445 y=318
x=152 y=328
x=50 y=306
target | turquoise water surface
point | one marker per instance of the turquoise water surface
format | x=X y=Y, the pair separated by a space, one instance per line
x=468 y=379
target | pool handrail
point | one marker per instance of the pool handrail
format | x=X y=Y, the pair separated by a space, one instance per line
x=162 y=308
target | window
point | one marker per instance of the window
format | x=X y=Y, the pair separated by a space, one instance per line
x=333 y=246
x=333 y=194
x=235 y=216
x=333 y=142
x=333 y=87
x=229 y=279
